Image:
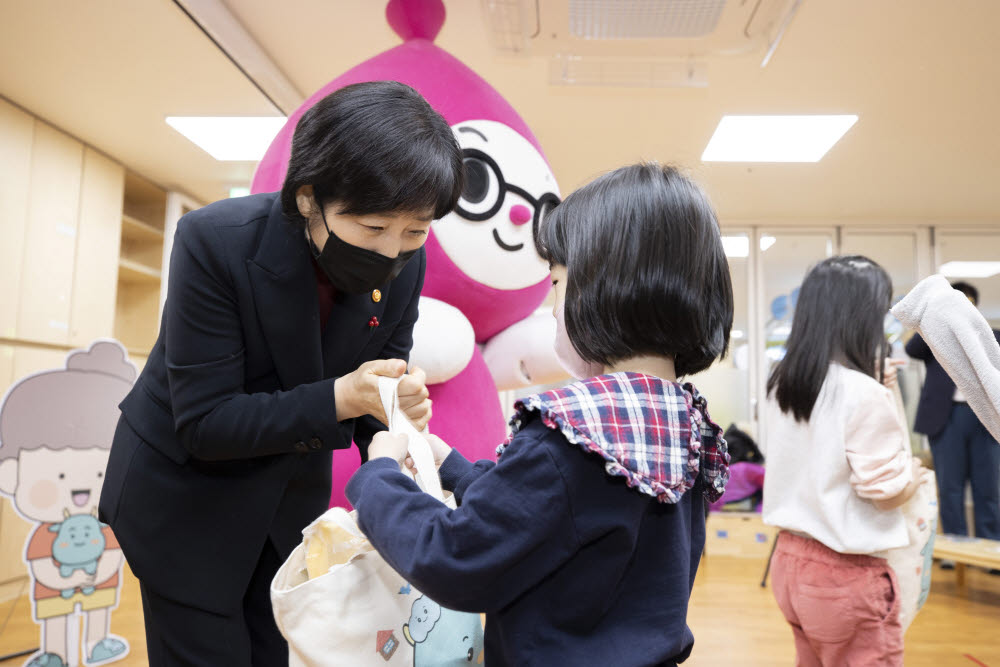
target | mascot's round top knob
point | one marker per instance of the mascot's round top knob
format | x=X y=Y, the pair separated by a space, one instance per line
x=415 y=19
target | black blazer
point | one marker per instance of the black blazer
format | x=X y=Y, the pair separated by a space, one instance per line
x=938 y=390
x=226 y=438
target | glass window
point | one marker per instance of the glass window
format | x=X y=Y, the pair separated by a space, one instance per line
x=726 y=385
x=785 y=258
x=979 y=253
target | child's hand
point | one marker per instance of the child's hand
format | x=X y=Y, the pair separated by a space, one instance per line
x=890 y=377
x=920 y=472
x=439 y=448
x=388 y=446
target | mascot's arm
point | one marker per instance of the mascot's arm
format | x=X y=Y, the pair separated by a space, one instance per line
x=443 y=341
x=523 y=354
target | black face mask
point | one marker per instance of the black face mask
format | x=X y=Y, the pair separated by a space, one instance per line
x=355 y=270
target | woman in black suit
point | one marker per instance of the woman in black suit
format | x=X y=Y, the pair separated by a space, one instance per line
x=282 y=310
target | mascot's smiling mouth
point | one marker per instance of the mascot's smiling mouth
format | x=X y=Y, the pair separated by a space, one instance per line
x=80 y=497
x=508 y=248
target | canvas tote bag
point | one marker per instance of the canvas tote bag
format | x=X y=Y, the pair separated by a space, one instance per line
x=912 y=563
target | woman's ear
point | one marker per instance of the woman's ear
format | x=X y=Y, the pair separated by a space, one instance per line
x=304 y=200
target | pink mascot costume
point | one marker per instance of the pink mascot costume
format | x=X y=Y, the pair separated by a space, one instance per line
x=484 y=278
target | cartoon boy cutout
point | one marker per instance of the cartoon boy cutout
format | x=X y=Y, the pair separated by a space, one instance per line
x=55 y=433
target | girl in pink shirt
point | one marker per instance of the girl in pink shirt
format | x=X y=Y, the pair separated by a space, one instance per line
x=839 y=468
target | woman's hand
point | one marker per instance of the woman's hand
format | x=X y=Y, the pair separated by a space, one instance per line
x=388 y=446
x=414 y=398
x=357 y=394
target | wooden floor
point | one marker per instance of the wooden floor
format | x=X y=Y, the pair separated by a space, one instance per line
x=735 y=621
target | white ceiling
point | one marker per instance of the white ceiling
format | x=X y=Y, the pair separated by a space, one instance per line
x=921 y=74
x=109 y=72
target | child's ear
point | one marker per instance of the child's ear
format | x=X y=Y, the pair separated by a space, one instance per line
x=8 y=476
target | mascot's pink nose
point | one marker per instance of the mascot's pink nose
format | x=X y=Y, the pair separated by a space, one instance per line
x=520 y=214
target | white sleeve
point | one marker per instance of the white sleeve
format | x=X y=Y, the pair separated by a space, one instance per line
x=962 y=342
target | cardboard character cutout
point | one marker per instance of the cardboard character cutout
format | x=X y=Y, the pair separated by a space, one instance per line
x=56 y=429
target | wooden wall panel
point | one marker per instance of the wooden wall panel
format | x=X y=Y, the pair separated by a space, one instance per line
x=95 y=280
x=50 y=237
x=16 y=132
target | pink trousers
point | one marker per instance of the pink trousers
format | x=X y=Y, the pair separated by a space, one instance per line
x=843 y=608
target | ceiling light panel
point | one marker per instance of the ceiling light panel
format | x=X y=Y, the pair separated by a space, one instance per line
x=229 y=138
x=776 y=138
x=970 y=269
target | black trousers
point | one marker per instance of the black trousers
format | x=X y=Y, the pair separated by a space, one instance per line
x=177 y=634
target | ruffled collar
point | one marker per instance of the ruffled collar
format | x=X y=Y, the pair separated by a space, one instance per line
x=655 y=434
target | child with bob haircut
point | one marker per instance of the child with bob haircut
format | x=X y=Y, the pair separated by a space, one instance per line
x=582 y=542
x=839 y=467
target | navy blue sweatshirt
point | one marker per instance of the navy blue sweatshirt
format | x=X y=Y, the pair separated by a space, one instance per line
x=570 y=565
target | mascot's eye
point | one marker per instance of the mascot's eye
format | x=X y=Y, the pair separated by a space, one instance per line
x=477 y=181
x=484 y=189
x=468 y=656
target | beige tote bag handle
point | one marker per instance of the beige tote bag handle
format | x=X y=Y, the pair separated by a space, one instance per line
x=420 y=450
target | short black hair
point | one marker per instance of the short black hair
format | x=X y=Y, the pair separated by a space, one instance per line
x=839 y=317
x=968 y=290
x=646 y=271
x=375 y=147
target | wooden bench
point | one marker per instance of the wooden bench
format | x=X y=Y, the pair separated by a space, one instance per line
x=967 y=551
x=738 y=534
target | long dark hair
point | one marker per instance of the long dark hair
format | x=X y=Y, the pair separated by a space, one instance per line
x=839 y=318
x=647 y=273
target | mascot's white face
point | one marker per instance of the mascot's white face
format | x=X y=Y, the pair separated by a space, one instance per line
x=508 y=190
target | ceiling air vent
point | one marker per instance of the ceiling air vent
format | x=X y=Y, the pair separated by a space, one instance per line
x=644 y=19
x=646 y=43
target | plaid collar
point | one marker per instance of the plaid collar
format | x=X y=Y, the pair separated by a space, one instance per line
x=647 y=430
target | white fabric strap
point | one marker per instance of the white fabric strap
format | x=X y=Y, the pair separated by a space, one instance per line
x=419 y=449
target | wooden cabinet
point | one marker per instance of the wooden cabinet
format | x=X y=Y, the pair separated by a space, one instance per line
x=95 y=281
x=16 y=134
x=50 y=236
x=82 y=241
x=140 y=265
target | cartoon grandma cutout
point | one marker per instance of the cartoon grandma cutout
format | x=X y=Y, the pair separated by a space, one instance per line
x=55 y=433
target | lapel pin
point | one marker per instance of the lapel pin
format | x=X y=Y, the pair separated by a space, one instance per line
x=373 y=322
x=376 y=296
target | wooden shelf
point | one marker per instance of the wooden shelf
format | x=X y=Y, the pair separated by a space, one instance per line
x=136 y=229
x=130 y=271
x=143 y=199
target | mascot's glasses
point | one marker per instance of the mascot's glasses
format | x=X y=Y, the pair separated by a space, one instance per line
x=485 y=190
